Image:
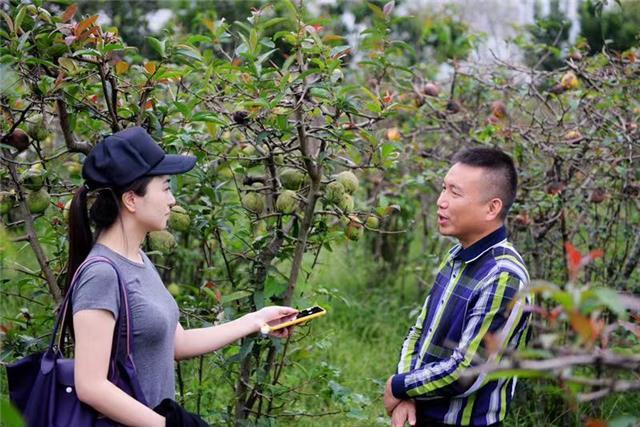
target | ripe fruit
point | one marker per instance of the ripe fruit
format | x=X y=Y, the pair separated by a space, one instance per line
x=569 y=81
x=179 y=219
x=7 y=200
x=162 y=241
x=373 y=222
x=287 y=202
x=576 y=55
x=174 y=289
x=498 y=109
x=18 y=140
x=240 y=117
x=38 y=201
x=334 y=191
x=346 y=204
x=292 y=179
x=349 y=181
x=33 y=178
x=522 y=220
x=354 y=231
x=431 y=89
x=393 y=134
x=253 y=202
x=555 y=187
x=573 y=136
x=453 y=106
x=598 y=195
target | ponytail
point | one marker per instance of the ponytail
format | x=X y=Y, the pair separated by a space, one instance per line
x=80 y=236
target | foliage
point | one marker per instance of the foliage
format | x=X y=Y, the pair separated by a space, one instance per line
x=615 y=27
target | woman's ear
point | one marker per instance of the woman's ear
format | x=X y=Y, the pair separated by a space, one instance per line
x=129 y=201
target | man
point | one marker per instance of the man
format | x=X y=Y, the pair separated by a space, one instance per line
x=473 y=312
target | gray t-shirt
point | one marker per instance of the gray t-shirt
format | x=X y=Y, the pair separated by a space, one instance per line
x=154 y=311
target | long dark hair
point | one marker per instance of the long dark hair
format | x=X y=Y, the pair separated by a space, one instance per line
x=103 y=214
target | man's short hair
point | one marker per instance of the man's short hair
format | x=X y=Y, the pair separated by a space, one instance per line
x=502 y=173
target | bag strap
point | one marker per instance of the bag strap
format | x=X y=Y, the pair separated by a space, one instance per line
x=124 y=320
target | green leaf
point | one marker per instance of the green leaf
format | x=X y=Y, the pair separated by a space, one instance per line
x=234 y=296
x=19 y=17
x=624 y=421
x=376 y=10
x=611 y=299
x=10 y=415
x=188 y=51
x=273 y=21
x=208 y=117
x=274 y=287
x=157 y=46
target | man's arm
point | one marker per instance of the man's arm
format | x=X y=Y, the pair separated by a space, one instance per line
x=409 y=346
x=487 y=315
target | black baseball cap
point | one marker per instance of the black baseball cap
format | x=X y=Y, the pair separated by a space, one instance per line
x=125 y=156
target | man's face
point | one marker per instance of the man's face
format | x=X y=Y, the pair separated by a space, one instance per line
x=463 y=205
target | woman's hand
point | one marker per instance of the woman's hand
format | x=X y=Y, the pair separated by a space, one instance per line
x=275 y=315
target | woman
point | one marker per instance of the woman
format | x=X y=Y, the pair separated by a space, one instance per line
x=129 y=175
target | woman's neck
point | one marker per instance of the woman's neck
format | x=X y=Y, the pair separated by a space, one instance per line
x=124 y=239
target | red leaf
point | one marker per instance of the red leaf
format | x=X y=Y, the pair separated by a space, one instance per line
x=596 y=253
x=593 y=422
x=573 y=256
x=69 y=12
x=85 y=24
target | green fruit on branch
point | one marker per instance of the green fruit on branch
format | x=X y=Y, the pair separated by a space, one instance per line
x=38 y=201
x=354 y=231
x=37 y=129
x=253 y=202
x=333 y=192
x=162 y=241
x=292 y=179
x=346 y=203
x=174 y=289
x=33 y=178
x=373 y=222
x=179 y=219
x=349 y=181
x=7 y=201
x=213 y=244
x=248 y=150
x=287 y=202
x=66 y=210
x=74 y=168
x=18 y=140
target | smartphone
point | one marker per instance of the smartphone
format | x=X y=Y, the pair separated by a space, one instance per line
x=302 y=317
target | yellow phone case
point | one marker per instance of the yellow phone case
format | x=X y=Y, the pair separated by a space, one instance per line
x=298 y=321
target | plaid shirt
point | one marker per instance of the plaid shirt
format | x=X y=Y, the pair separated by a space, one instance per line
x=473 y=296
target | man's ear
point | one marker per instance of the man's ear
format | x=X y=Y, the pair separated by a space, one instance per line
x=129 y=201
x=495 y=208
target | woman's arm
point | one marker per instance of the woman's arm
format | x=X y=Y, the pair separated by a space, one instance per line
x=93 y=337
x=194 y=342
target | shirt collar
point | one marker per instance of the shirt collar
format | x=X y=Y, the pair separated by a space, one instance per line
x=474 y=251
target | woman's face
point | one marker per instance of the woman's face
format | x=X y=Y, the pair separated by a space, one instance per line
x=153 y=209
